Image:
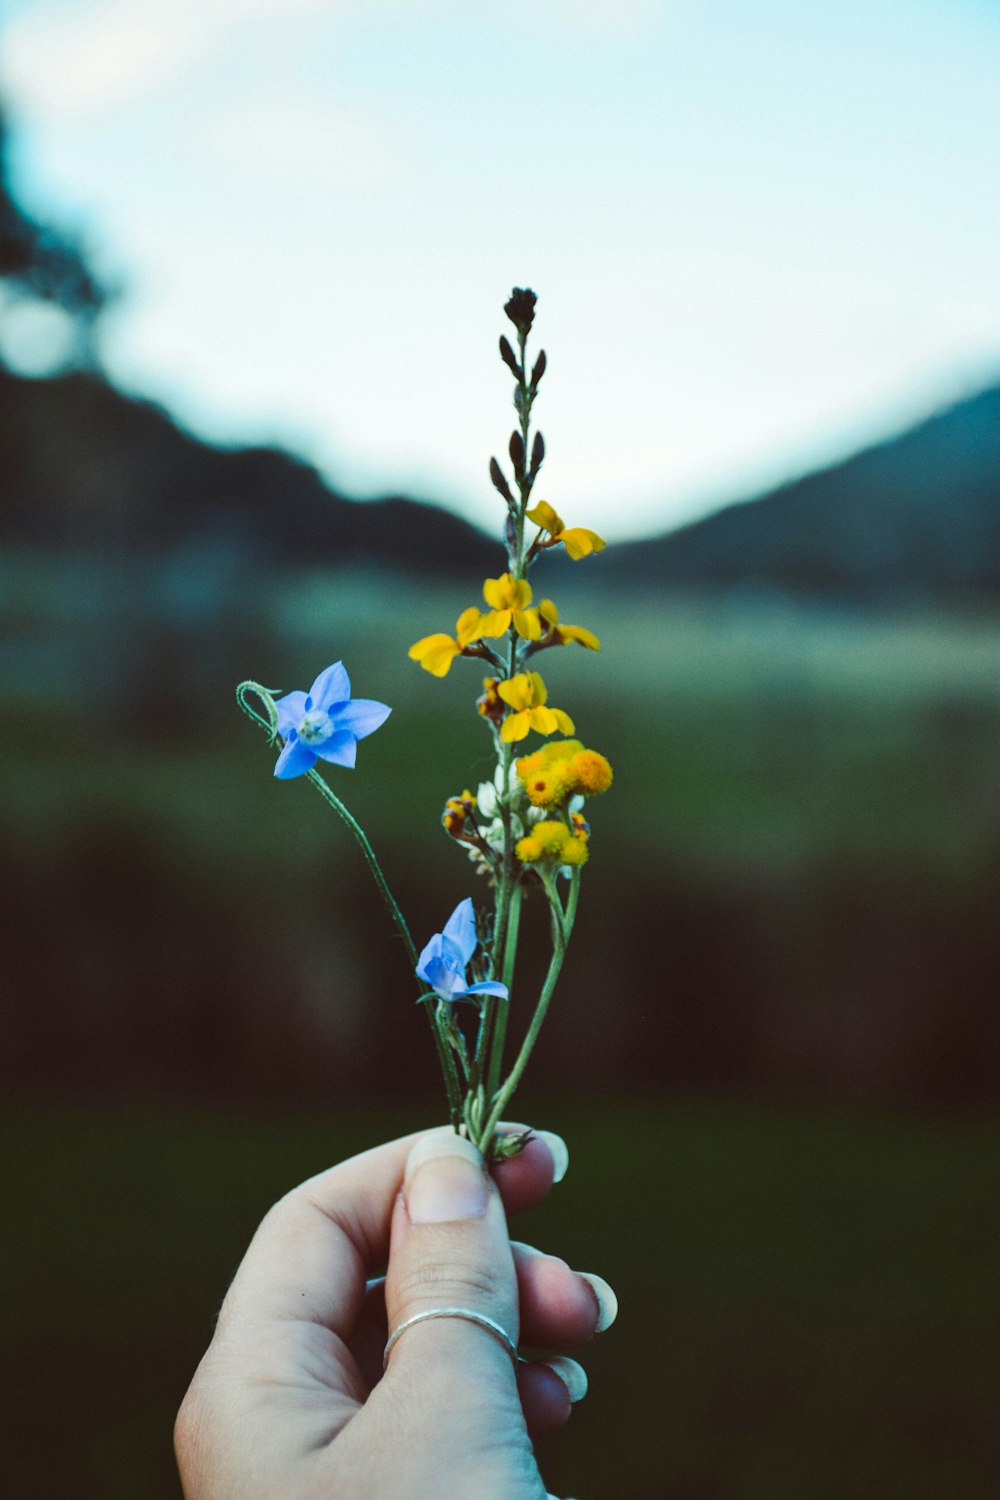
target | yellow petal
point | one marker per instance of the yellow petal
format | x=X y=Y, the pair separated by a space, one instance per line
x=520 y=592
x=496 y=622
x=467 y=626
x=548 y=611
x=516 y=691
x=579 y=542
x=527 y=623
x=544 y=516
x=516 y=727
x=539 y=692
x=544 y=720
x=564 y=721
x=586 y=638
x=435 y=653
x=495 y=591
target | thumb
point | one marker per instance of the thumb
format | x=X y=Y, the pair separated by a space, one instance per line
x=449 y=1248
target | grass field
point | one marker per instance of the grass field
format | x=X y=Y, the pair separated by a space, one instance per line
x=809 y=1300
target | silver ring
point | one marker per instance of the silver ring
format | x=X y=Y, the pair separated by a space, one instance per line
x=467 y=1313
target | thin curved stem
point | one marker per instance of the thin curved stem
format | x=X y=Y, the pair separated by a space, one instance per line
x=270 y=724
x=562 y=923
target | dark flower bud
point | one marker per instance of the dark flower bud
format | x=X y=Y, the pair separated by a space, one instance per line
x=510 y=536
x=496 y=474
x=516 y=450
x=491 y=705
x=509 y=358
x=539 y=369
x=537 y=454
x=521 y=309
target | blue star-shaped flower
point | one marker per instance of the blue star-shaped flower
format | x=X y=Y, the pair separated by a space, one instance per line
x=324 y=724
x=443 y=963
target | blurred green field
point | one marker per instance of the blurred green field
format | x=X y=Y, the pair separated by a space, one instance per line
x=805 y=823
x=809 y=1299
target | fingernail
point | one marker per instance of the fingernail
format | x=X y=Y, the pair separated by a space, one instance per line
x=607 y=1302
x=560 y=1153
x=572 y=1375
x=445 y=1181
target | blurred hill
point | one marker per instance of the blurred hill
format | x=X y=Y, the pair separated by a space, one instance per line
x=915 y=519
x=85 y=468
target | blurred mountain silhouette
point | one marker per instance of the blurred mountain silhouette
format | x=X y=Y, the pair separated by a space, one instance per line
x=915 y=518
x=85 y=468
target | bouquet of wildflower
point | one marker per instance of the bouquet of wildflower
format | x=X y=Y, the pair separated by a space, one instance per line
x=525 y=828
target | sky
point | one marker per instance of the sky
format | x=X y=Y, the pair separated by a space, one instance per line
x=762 y=235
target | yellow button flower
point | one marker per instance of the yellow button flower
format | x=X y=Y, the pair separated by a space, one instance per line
x=435 y=653
x=563 y=634
x=527 y=695
x=508 y=598
x=578 y=540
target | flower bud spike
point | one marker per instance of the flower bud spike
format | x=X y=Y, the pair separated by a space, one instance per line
x=510 y=358
x=537 y=455
x=539 y=370
x=497 y=476
x=516 y=450
x=520 y=309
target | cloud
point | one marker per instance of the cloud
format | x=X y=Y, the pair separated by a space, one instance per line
x=88 y=57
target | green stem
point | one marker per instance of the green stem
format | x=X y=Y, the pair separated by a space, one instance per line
x=397 y=916
x=270 y=724
x=562 y=924
x=507 y=978
x=446 y=1060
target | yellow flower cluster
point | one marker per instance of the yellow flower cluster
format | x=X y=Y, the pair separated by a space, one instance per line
x=510 y=608
x=564 y=769
x=561 y=843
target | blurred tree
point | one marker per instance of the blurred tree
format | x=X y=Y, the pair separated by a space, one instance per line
x=43 y=263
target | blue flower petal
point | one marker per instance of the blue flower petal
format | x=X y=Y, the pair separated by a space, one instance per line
x=290 y=710
x=331 y=686
x=362 y=716
x=432 y=950
x=443 y=980
x=461 y=929
x=488 y=987
x=294 y=760
x=339 y=750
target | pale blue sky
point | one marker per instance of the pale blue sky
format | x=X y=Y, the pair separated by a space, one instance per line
x=761 y=234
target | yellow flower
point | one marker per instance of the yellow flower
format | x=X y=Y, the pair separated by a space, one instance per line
x=528 y=849
x=551 y=835
x=563 y=769
x=527 y=695
x=563 y=634
x=574 y=852
x=545 y=788
x=508 y=598
x=552 y=840
x=591 y=773
x=578 y=541
x=435 y=653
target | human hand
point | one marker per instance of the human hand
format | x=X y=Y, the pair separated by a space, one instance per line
x=290 y=1400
